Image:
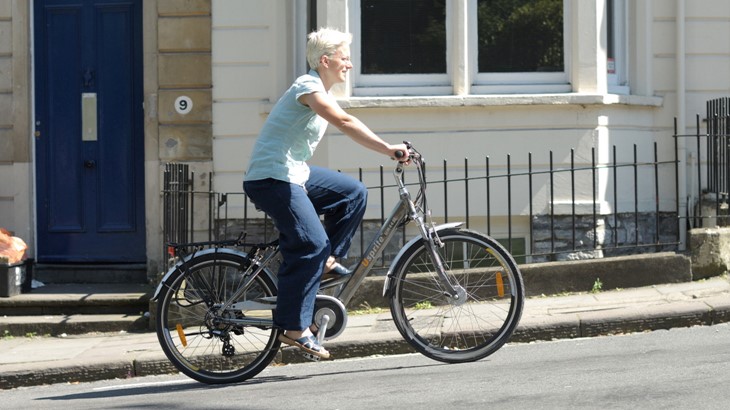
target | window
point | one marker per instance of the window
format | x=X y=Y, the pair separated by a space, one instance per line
x=520 y=36
x=403 y=37
x=400 y=47
x=520 y=46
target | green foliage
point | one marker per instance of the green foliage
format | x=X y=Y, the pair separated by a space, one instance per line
x=597 y=286
x=520 y=35
x=423 y=305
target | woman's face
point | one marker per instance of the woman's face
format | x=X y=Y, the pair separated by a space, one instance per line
x=339 y=64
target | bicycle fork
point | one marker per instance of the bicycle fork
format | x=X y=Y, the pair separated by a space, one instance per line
x=429 y=233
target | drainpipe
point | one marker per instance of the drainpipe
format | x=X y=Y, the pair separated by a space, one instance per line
x=681 y=122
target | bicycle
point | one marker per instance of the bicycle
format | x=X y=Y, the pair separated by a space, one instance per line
x=455 y=295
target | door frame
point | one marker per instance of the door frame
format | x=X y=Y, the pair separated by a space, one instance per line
x=150 y=131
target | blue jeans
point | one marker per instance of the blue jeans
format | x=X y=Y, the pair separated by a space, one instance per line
x=305 y=241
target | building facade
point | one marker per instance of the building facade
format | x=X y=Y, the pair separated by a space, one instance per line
x=96 y=96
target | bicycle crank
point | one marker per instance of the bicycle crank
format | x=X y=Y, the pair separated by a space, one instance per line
x=335 y=313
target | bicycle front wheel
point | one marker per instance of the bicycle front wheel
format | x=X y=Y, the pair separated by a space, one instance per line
x=485 y=312
x=206 y=342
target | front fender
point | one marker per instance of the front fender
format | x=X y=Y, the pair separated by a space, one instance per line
x=187 y=259
x=387 y=285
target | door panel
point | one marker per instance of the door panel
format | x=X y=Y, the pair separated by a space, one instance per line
x=65 y=211
x=116 y=180
x=90 y=185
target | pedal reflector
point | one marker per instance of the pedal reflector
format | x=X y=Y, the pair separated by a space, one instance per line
x=311 y=357
x=500 y=284
x=181 y=334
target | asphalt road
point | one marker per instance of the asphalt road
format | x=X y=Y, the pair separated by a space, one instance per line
x=684 y=368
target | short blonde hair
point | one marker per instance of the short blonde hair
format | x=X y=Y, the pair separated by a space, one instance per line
x=324 y=42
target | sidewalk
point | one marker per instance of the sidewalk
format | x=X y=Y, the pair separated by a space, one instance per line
x=47 y=360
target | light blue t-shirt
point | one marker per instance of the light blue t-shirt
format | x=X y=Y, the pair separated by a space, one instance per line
x=289 y=135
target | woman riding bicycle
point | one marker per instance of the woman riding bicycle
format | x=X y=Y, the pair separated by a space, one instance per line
x=294 y=195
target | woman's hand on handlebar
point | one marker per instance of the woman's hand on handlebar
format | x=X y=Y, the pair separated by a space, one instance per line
x=400 y=152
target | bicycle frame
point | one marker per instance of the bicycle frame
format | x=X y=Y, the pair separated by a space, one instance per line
x=404 y=211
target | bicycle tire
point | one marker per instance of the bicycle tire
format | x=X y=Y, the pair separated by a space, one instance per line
x=188 y=326
x=476 y=324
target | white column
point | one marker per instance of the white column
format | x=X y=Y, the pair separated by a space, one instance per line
x=335 y=14
x=588 y=24
x=459 y=51
x=641 y=78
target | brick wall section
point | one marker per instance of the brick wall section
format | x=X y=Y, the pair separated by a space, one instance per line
x=184 y=69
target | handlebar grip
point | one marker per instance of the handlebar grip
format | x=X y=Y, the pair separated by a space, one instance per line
x=400 y=154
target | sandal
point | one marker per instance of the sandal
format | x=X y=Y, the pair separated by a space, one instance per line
x=307 y=344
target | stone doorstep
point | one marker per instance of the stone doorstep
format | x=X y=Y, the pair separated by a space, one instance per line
x=94 y=294
x=20 y=326
x=83 y=274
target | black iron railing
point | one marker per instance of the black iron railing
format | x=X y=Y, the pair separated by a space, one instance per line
x=717 y=166
x=552 y=235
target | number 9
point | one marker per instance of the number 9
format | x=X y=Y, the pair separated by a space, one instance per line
x=183 y=104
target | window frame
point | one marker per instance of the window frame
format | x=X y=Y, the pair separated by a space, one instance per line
x=371 y=85
x=464 y=78
x=617 y=81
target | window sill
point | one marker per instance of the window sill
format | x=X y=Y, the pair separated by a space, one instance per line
x=500 y=100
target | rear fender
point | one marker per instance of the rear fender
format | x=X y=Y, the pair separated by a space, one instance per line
x=183 y=261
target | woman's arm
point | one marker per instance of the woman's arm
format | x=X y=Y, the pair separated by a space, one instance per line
x=348 y=124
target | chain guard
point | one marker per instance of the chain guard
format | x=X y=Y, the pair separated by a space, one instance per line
x=332 y=307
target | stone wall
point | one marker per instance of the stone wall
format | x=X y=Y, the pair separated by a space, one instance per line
x=15 y=120
x=185 y=71
x=617 y=235
x=710 y=251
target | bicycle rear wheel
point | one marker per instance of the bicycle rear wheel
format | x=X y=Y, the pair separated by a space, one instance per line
x=199 y=337
x=480 y=320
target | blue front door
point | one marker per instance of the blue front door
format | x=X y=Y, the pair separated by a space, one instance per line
x=89 y=130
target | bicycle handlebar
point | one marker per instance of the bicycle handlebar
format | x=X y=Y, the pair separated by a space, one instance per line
x=406 y=156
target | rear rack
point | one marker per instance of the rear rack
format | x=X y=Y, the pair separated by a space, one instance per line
x=175 y=250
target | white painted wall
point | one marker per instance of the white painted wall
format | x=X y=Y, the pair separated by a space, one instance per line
x=253 y=49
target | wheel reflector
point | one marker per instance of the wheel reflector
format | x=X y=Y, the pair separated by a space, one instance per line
x=500 y=284
x=180 y=333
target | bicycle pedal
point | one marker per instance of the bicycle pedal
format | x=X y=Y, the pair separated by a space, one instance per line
x=311 y=357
